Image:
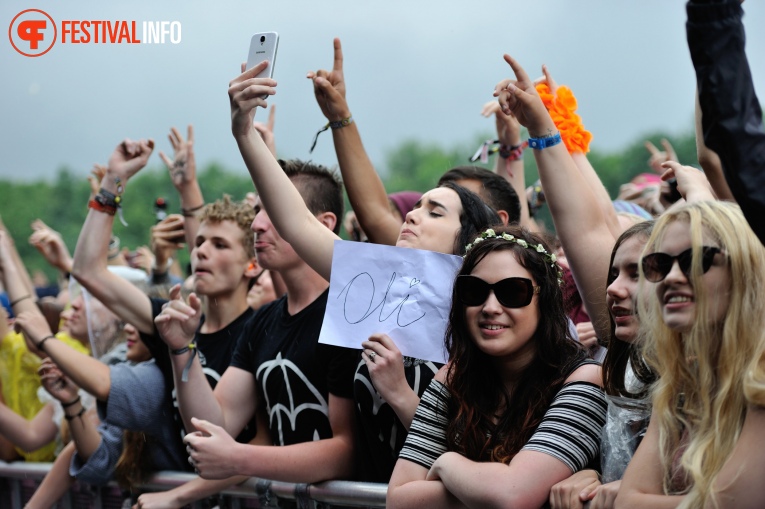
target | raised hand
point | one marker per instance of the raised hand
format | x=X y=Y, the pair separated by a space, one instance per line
x=329 y=88
x=95 y=178
x=267 y=130
x=210 y=450
x=508 y=127
x=691 y=182
x=128 y=158
x=659 y=157
x=56 y=382
x=35 y=328
x=245 y=93
x=183 y=166
x=520 y=98
x=167 y=236
x=51 y=245
x=178 y=321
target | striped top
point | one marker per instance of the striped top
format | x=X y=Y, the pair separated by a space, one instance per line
x=570 y=430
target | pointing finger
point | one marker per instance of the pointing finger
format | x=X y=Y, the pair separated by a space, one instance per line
x=338 y=65
x=520 y=73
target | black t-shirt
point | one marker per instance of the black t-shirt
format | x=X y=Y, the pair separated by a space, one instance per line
x=215 y=351
x=381 y=434
x=294 y=372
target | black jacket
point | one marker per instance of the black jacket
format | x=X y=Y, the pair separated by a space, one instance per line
x=731 y=114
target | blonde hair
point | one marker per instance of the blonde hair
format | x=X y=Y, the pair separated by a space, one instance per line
x=701 y=372
x=241 y=213
x=754 y=384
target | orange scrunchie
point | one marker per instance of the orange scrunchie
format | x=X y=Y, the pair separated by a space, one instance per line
x=561 y=109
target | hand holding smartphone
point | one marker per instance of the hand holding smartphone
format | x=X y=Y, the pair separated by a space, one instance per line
x=263 y=47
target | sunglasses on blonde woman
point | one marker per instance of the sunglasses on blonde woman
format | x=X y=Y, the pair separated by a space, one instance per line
x=513 y=292
x=656 y=266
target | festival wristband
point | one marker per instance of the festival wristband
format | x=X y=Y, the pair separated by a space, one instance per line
x=543 y=143
x=180 y=351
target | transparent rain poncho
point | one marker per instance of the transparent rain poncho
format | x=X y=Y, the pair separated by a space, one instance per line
x=104 y=328
x=626 y=423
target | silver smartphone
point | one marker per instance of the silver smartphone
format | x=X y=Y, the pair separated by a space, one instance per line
x=263 y=47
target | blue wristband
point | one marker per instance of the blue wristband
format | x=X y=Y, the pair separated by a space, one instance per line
x=542 y=143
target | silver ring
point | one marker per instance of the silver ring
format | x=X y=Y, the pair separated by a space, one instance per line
x=372 y=356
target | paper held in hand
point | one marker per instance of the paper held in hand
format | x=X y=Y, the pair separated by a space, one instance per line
x=405 y=293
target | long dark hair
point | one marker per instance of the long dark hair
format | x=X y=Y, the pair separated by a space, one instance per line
x=620 y=352
x=476 y=216
x=477 y=390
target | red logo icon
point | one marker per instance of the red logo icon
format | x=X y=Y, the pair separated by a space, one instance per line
x=32 y=32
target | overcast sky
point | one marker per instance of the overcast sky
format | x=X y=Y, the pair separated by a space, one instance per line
x=415 y=69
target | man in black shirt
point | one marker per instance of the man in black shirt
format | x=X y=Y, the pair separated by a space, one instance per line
x=303 y=387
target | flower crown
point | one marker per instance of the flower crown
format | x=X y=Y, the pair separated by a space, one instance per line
x=539 y=248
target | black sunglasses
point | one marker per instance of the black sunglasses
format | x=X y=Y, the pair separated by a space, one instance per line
x=513 y=292
x=656 y=266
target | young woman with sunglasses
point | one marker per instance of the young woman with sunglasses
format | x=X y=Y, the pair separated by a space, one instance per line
x=702 y=329
x=519 y=406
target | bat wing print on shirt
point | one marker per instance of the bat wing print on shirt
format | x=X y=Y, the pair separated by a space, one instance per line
x=301 y=395
x=378 y=401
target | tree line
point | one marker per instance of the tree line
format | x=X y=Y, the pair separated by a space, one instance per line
x=61 y=202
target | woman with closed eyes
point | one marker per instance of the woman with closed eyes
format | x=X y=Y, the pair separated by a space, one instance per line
x=387 y=385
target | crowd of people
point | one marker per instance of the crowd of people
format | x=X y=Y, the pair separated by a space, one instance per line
x=618 y=363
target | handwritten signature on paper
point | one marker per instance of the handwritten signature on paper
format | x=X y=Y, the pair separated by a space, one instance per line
x=381 y=306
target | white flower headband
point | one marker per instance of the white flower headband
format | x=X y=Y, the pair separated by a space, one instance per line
x=539 y=248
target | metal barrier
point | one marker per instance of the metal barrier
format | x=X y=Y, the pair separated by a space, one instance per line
x=262 y=492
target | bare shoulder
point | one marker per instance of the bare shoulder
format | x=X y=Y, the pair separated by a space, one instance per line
x=440 y=376
x=592 y=373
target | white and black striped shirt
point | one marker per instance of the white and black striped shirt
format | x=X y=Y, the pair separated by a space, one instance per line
x=570 y=430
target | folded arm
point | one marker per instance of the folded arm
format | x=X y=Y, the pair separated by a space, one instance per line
x=216 y=455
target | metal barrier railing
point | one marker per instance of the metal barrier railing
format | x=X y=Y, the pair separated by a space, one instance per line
x=267 y=493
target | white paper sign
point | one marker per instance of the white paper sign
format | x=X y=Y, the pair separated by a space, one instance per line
x=405 y=293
